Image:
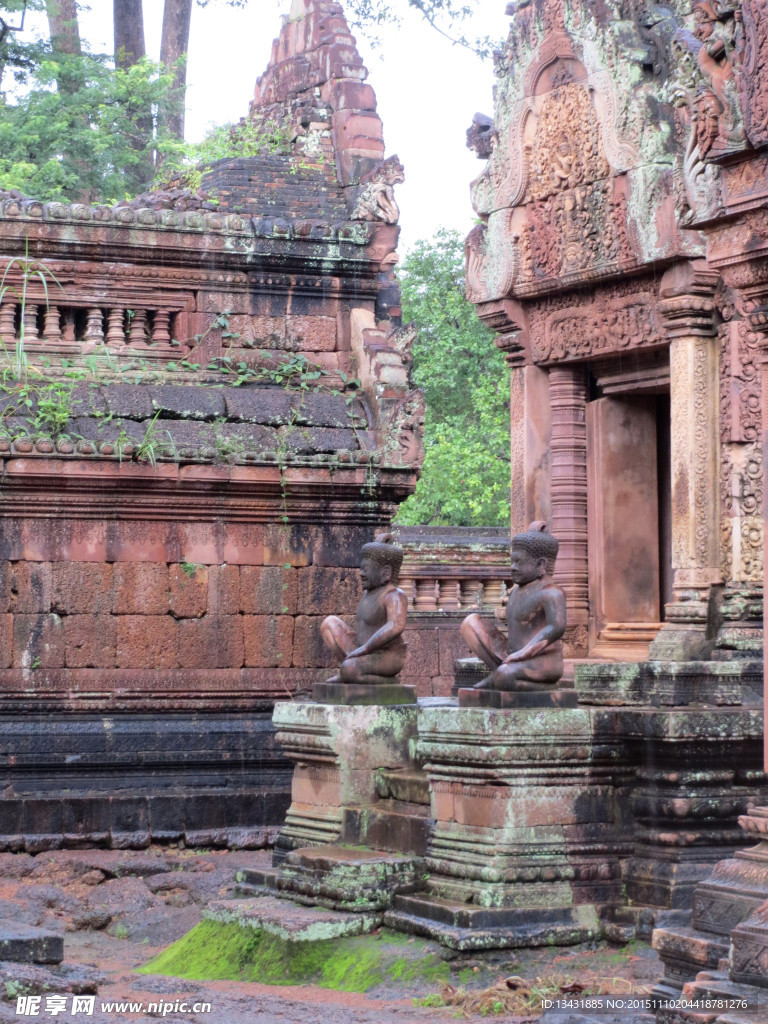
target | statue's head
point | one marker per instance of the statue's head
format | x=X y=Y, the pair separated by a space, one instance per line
x=385 y=558
x=538 y=545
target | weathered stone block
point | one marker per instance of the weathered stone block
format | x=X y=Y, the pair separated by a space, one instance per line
x=288 y=921
x=6 y=641
x=38 y=641
x=82 y=587
x=188 y=590
x=224 y=589
x=422 y=658
x=174 y=401
x=147 y=641
x=90 y=641
x=308 y=648
x=268 y=640
x=211 y=642
x=328 y=591
x=31 y=587
x=268 y=590
x=140 y=588
x=25 y=943
x=273 y=407
x=147 y=541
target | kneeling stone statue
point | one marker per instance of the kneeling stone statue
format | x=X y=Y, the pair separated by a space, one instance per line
x=373 y=653
x=531 y=657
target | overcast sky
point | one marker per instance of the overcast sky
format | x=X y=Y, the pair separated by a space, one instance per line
x=427 y=90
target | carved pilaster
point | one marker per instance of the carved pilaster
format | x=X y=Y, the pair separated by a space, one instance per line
x=740 y=611
x=531 y=427
x=687 y=308
x=568 y=474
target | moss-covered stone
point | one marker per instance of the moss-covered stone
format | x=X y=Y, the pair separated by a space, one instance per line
x=235 y=952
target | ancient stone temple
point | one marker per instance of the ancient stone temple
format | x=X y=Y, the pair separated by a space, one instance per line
x=637 y=396
x=621 y=260
x=234 y=421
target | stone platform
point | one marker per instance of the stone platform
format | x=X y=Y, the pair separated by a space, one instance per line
x=464 y=926
x=338 y=752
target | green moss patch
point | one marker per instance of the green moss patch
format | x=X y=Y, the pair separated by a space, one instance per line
x=232 y=952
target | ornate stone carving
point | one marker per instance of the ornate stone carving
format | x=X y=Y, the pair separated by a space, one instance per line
x=492 y=259
x=607 y=325
x=568 y=459
x=741 y=477
x=573 y=232
x=480 y=136
x=567 y=149
x=376 y=197
x=405 y=431
x=752 y=71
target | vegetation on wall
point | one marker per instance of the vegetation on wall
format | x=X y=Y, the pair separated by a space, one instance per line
x=465 y=481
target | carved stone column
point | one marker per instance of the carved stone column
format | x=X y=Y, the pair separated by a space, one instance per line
x=740 y=611
x=568 y=474
x=531 y=427
x=530 y=419
x=687 y=307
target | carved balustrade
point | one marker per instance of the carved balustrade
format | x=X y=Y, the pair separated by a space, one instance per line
x=72 y=328
x=448 y=569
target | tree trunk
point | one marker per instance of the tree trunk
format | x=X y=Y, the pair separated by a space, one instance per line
x=128 y=24
x=128 y=18
x=63 y=26
x=177 y=16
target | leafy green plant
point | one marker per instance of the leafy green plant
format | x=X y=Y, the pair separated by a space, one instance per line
x=29 y=270
x=153 y=445
x=184 y=166
x=54 y=407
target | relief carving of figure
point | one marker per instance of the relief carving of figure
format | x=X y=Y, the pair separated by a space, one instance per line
x=376 y=197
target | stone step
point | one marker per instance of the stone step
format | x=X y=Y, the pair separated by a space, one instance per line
x=350 y=878
x=697 y=950
x=28 y=944
x=254 y=881
x=464 y=926
x=721 y=998
x=290 y=921
x=391 y=825
x=408 y=786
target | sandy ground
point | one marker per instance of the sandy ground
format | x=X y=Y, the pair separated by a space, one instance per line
x=117 y=909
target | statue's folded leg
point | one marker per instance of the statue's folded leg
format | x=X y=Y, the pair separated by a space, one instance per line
x=540 y=673
x=486 y=643
x=377 y=668
x=339 y=638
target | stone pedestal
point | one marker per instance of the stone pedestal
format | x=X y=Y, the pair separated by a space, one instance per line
x=729 y=920
x=337 y=751
x=722 y=957
x=695 y=732
x=524 y=848
x=384 y=694
x=471 y=698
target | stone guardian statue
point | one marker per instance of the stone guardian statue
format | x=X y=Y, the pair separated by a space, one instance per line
x=531 y=657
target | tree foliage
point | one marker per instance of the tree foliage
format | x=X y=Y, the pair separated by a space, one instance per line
x=465 y=480
x=83 y=141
